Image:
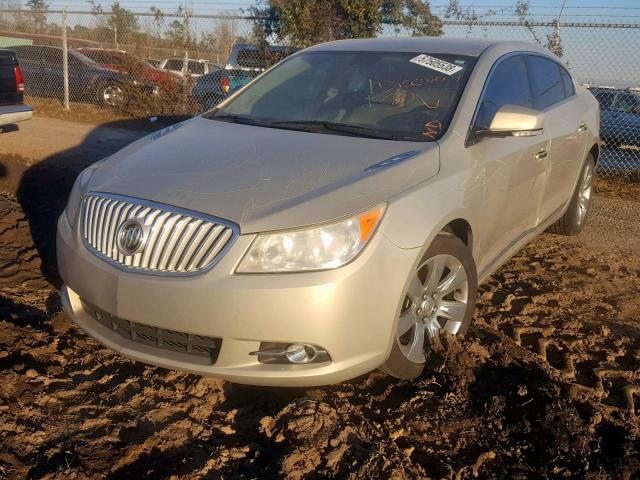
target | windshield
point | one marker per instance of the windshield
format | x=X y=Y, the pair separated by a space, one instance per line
x=391 y=95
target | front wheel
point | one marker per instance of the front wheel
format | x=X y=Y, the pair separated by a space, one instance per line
x=575 y=218
x=112 y=95
x=440 y=297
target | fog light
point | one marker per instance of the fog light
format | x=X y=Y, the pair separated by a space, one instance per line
x=300 y=353
x=287 y=353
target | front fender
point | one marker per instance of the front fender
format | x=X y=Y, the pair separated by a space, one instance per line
x=416 y=216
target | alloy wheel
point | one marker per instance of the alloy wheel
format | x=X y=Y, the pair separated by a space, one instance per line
x=436 y=300
x=113 y=95
x=584 y=192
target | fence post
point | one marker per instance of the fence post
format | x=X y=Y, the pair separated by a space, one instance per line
x=65 y=59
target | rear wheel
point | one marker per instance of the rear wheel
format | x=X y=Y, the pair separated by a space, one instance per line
x=440 y=297
x=575 y=218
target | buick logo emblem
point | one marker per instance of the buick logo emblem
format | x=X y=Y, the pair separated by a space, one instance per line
x=130 y=237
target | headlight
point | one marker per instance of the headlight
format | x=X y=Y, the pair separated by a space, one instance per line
x=317 y=248
x=77 y=193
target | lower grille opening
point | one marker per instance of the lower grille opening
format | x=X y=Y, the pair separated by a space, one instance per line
x=198 y=346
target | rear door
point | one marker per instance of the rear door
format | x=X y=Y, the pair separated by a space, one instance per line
x=514 y=170
x=564 y=122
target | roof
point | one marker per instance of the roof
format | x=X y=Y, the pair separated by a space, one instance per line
x=455 y=46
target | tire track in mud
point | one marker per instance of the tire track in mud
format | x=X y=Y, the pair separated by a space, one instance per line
x=582 y=318
x=544 y=384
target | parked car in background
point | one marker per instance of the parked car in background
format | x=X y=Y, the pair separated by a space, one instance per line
x=44 y=76
x=619 y=115
x=335 y=216
x=194 y=68
x=153 y=62
x=125 y=62
x=244 y=64
x=12 y=108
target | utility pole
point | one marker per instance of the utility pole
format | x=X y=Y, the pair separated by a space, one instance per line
x=65 y=60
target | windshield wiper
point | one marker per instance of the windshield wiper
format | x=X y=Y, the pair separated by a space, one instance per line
x=309 y=126
x=355 y=130
x=239 y=119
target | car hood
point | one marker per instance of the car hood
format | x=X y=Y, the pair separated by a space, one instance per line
x=264 y=178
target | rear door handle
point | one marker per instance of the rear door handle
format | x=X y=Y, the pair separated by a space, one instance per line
x=541 y=154
x=582 y=127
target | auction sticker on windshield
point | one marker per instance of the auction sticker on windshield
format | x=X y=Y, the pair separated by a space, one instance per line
x=436 y=64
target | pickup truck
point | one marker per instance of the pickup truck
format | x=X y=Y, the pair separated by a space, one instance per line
x=245 y=62
x=12 y=109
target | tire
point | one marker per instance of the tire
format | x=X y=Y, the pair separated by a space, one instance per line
x=575 y=218
x=113 y=94
x=446 y=254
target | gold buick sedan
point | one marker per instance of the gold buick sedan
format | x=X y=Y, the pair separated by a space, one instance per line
x=333 y=216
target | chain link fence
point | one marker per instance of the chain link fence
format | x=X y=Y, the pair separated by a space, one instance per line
x=156 y=63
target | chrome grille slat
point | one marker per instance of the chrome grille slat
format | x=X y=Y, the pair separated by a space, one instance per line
x=105 y=237
x=204 y=247
x=193 y=247
x=215 y=248
x=176 y=241
x=174 y=238
x=192 y=231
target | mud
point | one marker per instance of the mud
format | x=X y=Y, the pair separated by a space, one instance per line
x=546 y=384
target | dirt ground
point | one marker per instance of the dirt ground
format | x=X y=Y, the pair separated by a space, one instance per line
x=545 y=385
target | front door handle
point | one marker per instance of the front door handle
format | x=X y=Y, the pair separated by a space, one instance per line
x=582 y=127
x=541 y=154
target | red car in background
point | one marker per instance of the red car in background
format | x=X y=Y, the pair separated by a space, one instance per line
x=126 y=62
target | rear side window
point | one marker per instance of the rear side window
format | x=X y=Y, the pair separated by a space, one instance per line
x=99 y=57
x=173 y=64
x=569 y=89
x=546 y=82
x=52 y=56
x=196 y=68
x=508 y=85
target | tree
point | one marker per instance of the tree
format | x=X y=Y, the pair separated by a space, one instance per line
x=122 y=21
x=554 y=42
x=157 y=19
x=305 y=22
x=179 y=32
x=39 y=13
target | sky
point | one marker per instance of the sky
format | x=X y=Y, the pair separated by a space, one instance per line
x=596 y=55
x=612 y=10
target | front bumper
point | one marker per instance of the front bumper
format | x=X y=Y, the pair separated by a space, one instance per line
x=349 y=311
x=14 y=114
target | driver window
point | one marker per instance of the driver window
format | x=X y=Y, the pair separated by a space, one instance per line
x=508 y=85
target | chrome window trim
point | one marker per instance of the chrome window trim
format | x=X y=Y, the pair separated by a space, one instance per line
x=235 y=229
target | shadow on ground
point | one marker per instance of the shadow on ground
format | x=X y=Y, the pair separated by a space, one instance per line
x=43 y=188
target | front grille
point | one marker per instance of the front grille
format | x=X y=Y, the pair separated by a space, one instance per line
x=202 y=347
x=174 y=241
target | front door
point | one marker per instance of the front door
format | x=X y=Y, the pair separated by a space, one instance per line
x=514 y=167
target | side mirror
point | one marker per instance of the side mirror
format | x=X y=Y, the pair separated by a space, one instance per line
x=511 y=121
